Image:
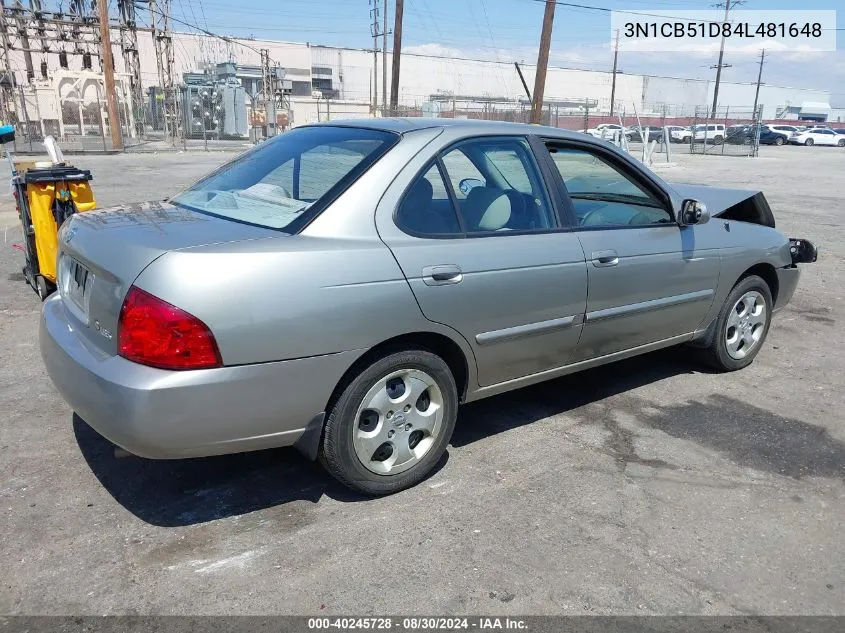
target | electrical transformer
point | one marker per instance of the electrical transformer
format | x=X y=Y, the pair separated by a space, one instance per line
x=214 y=105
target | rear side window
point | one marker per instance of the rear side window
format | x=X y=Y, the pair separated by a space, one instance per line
x=280 y=181
x=486 y=185
x=500 y=186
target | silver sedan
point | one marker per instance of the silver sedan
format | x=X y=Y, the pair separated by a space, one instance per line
x=344 y=287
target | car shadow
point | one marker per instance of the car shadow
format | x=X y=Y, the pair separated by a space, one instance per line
x=190 y=491
x=747 y=435
x=183 y=492
x=523 y=406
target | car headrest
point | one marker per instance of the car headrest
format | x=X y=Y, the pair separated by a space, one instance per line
x=487 y=209
x=420 y=195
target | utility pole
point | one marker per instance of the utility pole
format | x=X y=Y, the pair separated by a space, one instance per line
x=131 y=59
x=522 y=79
x=397 y=53
x=7 y=83
x=543 y=61
x=268 y=91
x=163 y=41
x=384 y=61
x=759 y=80
x=613 y=84
x=108 y=74
x=35 y=7
x=728 y=4
x=376 y=34
x=23 y=34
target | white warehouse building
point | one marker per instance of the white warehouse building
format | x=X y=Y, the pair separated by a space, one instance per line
x=345 y=77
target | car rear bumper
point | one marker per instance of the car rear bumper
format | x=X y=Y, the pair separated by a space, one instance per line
x=164 y=414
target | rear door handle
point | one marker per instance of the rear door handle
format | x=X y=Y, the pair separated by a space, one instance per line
x=442 y=275
x=603 y=259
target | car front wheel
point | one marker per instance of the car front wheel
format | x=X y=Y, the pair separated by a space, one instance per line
x=808 y=142
x=742 y=325
x=841 y=142
x=392 y=423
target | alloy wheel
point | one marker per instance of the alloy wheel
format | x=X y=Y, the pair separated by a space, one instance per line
x=746 y=325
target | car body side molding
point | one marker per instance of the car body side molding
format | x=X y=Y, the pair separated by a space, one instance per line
x=520 y=331
x=645 y=306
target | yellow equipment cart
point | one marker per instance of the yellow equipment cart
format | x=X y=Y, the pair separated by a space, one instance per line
x=46 y=197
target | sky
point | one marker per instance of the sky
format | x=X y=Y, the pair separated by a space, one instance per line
x=509 y=30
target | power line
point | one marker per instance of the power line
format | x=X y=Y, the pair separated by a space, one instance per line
x=588 y=7
x=224 y=38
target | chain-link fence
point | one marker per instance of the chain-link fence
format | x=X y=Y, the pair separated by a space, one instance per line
x=726 y=131
x=78 y=118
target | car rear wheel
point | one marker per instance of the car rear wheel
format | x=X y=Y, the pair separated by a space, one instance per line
x=779 y=140
x=841 y=142
x=808 y=142
x=392 y=423
x=718 y=140
x=742 y=325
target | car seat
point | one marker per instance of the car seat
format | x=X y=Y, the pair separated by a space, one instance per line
x=486 y=209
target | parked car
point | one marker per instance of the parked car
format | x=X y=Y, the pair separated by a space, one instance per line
x=319 y=291
x=746 y=136
x=818 y=136
x=655 y=133
x=605 y=130
x=771 y=137
x=734 y=130
x=784 y=130
x=709 y=133
x=681 y=134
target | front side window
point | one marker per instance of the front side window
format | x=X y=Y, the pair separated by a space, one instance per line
x=602 y=194
x=274 y=184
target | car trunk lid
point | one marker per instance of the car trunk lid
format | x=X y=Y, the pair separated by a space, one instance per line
x=102 y=252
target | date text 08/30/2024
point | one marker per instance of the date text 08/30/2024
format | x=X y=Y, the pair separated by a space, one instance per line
x=418 y=623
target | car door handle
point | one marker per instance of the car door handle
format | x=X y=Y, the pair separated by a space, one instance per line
x=604 y=258
x=442 y=275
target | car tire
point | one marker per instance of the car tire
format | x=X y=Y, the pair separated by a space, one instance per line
x=718 y=140
x=840 y=142
x=741 y=327
x=373 y=423
x=808 y=142
x=779 y=140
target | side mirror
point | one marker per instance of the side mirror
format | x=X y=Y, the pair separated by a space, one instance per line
x=693 y=212
x=468 y=184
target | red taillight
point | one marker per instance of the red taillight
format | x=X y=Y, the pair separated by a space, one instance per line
x=156 y=333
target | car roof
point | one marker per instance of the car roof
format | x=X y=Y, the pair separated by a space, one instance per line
x=401 y=125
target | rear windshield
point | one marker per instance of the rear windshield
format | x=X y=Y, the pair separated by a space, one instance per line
x=278 y=182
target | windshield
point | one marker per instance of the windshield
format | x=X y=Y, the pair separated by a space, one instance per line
x=275 y=183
